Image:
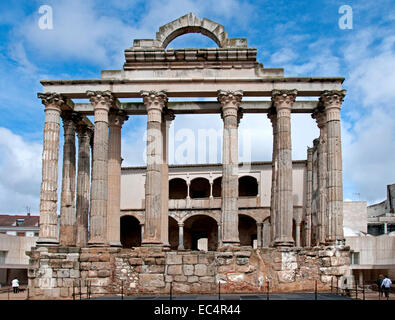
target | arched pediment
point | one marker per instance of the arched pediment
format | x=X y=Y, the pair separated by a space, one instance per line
x=191 y=24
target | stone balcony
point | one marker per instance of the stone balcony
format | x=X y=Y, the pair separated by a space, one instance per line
x=212 y=203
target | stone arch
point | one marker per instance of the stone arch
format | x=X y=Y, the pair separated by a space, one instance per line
x=189 y=23
x=199 y=188
x=178 y=188
x=217 y=187
x=130 y=231
x=173 y=233
x=216 y=217
x=248 y=186
x=247 y=230
x=201 y=227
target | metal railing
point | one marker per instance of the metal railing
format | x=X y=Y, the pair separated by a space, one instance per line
x=356 y=291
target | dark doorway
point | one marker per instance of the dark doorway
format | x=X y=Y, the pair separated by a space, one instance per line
x=201 y=229
x=130 y=232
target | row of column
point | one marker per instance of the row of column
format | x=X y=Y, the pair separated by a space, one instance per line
x=106 y=171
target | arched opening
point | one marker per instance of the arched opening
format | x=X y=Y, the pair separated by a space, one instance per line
x=130 y=232
x=247 y=230
x=217 y=187
x=173 y=233
x=178 y=188
x=201 y=232
x=248 y=186
x=199 y=188
x=189 y=29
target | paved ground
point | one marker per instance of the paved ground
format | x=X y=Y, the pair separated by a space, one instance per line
x=369 y=295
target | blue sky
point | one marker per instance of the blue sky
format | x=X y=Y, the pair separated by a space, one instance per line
x=303 y=37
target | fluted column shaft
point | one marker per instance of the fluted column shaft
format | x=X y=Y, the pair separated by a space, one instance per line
x=116 y=120
x=272 y=115
x=283 y=101
x=67 y=232
x=167 y=117
x=259 y=234
x=154 y=102
x=48 y=234
x=332 y=101
x=322 y=176
x=101 y=101
x=83 y=184
x=309 y=196
x=230 y=102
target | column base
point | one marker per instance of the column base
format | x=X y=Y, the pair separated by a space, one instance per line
x=94 y=243
x=283 y=243
x=47 y=242
x=117 y=244
x=152 y=244
x=180 y=248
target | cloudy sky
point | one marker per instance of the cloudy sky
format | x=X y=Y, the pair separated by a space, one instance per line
x=303 y=37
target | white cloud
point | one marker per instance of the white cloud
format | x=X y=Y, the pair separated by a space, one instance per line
x=20 y=178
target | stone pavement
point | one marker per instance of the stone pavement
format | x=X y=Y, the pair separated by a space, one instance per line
x=6 y=293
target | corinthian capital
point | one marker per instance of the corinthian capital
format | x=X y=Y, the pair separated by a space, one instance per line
x=154 y=99
x=51 y=98
x=117 y=118
x=102 y=99
x=283 y=98
x=230 y=98
x=319 y=116
x=332 y=98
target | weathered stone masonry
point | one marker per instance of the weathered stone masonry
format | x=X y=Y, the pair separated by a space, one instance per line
x=150 y=270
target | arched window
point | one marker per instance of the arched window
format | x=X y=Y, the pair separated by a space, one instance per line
x=199 y=188
x=247 y=230
x=248 y=186
x=130 y=232
x=178 y=188
x=217 y=187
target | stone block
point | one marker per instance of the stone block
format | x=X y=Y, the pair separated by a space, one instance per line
x=174 y=269
x=100 y=282
x=181 y=287
x=149 y=260
x=326 y=262
x=103 y=273
x=156 y=269
x=242 y=261
x=173 y=259
x=203 y=259
x=286 y=276
x=168 y=278
x=67 y=264
x=201 y=270
x=100 y=265
x=151 y=280
x=193 y=279
x=74 y=273
x=135 y=261
x=104 y=257
x=92 y=273
x=55 y=263
x=188 y=269
x=64 y=292
x=243 y=254
x=180 y=278
x=84 y=257
x=63 y=273
x=207 y=279
x=160 y=261
x=190 y=259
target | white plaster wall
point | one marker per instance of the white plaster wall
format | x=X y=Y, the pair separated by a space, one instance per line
x=16 y=247
x=355 y=215
x=374 y=250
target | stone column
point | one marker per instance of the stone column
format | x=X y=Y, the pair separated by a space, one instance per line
x=101 y=101
x=67 y=232
x=167 y=117
x=49 y=184
x=259 y=234
x=154 y=102
x=283 y=101
x=332 y=101
x=297 y=231
x=142 y=231
x=266 y=239
x=219 y=236
x=385 y=228
x=180 y=236
x=83 y=184
x=309 y=196
x=116 y=120
x=230 y=102
x=272 y=115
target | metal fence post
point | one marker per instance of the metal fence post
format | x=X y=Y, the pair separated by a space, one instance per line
x=331 y=284
x=171 y=290
x=80 y=289
x=219 y=290
x=315 y=290
x=122 y=291
x=267 y=291
x=73 y=291
x=356 y=289
x=363 y=289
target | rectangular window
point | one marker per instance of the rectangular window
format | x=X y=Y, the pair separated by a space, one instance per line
x=3 y=255
x=354 y=257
